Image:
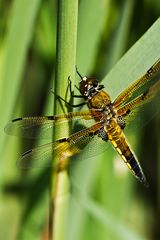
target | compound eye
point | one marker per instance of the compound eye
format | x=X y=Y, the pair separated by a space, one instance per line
x=95 y=83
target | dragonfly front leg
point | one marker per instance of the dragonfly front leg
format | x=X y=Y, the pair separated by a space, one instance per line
x=70 y=89
x=72 y=96
x=68 y=103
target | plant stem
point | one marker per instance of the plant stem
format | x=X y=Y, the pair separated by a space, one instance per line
x=65 y=67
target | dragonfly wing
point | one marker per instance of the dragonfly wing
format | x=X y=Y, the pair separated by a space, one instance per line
x=142 y=108
x=147 y=78
x=42 y=127
x=65 y=148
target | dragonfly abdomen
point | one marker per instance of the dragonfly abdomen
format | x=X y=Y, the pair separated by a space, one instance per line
x=117 y=138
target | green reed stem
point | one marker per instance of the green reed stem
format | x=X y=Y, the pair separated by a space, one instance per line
x=65 y=67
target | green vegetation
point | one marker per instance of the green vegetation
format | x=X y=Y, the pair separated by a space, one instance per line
x=117 y=41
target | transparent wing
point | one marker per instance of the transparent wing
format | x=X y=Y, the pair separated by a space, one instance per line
x=88 y=139
x=33 y=127
x=134 y=88
x=142 y=108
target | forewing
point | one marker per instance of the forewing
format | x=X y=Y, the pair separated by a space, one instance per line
x=33 y=127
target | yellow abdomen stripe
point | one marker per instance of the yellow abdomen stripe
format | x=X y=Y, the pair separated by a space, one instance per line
x=119 y=141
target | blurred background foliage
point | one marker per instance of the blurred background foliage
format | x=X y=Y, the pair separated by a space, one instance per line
x=106 y=202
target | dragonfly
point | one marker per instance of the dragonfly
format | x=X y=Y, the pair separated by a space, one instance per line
x=103 y=121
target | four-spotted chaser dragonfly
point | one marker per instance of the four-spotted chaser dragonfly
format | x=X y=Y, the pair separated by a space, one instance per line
x=108 y=121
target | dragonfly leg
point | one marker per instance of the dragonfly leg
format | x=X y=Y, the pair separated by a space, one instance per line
x=70 y=89
x=68 y=103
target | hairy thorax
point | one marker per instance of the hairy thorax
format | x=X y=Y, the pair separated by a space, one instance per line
x=101 y=102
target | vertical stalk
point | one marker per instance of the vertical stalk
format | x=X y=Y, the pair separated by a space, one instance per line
x=65 y=67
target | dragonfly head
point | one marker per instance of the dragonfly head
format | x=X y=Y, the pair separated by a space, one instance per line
x=89 y=86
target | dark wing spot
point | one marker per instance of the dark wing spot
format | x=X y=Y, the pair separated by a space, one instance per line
x=50 y=117
x=63 y=140
x=29 y=151
x=128 y=111
x=16 y=119
x=150 y=71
